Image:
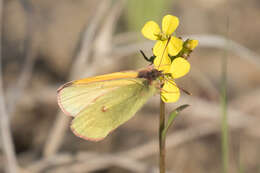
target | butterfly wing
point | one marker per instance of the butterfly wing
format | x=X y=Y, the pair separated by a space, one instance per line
x=77 y=95
x=103 y=105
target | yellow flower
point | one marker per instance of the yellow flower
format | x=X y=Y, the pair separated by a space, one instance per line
x=162 y=62
x=166 y=43
x=178 y=68
x=192 y=44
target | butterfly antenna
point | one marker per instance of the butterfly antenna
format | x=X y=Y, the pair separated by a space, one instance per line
x=164 y=51
x=145 y=57
x=185 y=91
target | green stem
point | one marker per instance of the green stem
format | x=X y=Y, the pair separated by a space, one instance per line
x=224 y=128
x=224 y=134
x=161 y=137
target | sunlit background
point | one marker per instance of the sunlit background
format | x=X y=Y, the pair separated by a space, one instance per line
x=46 y=43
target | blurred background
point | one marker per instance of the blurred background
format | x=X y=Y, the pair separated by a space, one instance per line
x=46 y=43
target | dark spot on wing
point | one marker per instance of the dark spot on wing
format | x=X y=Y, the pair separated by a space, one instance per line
x=104 y=109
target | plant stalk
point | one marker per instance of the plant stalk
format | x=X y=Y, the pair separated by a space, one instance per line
x=224 y=123
x=161 y=137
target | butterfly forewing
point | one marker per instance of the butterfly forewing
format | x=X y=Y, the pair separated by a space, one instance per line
x=77 y=95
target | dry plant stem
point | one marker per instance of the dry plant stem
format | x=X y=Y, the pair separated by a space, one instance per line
x=6 y=138
x=161 y=137
x=89 y=162
x=31 y=42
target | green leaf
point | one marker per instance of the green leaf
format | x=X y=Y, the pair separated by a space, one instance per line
x=172 y=116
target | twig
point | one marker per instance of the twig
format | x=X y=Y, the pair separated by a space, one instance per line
x=86 y=162
x=105 y=161
x=31 y=44
x=6 y=138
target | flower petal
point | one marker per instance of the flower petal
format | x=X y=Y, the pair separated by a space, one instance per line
x=170 y=92
x=192 y=44
x=160 y=48
x=169 y=24
x=175 y=46
x=162 y=62
x=179 y=67
x=151 y=30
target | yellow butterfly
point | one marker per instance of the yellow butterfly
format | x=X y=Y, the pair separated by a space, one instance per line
x=102 y=103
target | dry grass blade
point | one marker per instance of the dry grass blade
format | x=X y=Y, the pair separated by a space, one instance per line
x=203 y=81
x=103 y=41
x=173 y=140
x=202 y=109
x=82 y=56
x=55 y=160
x=248 y=101
x=217 y=41
x=31 y=44
x=205 y=41
x=86 y=162
x=57 y=133
x=6 y=138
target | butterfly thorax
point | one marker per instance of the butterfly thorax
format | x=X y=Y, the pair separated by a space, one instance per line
x=149 y=74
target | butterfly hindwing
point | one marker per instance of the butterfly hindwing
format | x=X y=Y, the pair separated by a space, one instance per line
x=112 y=109
x=102 y=103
